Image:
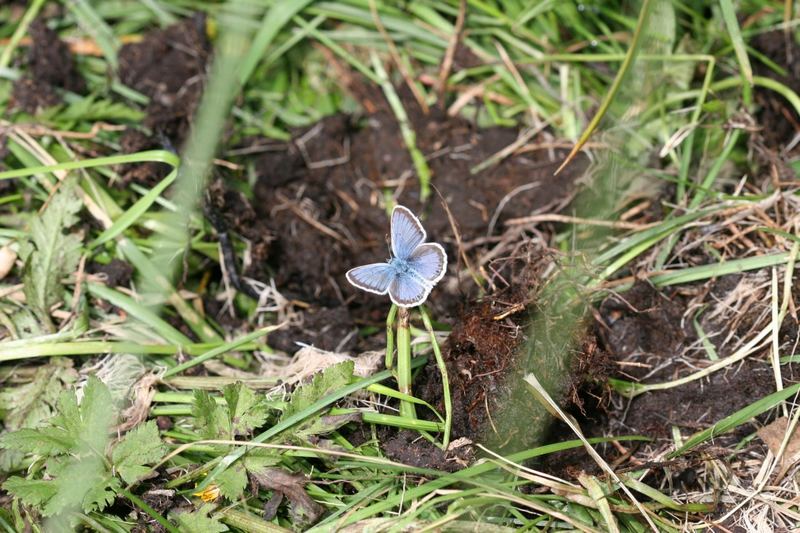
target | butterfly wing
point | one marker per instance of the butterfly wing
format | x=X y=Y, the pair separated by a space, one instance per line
x=429 y=261
x=406 y=290
x=407 y=232
x=375 y=278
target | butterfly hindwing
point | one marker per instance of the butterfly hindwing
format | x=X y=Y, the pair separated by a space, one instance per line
x=407 y=290
x=407 y=232
x=375 y=278
x=429 y=261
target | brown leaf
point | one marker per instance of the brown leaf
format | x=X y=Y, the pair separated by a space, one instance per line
x=303 y=508
x=773 y=436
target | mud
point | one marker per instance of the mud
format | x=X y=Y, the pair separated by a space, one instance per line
x=49 y=69
x=322 y=199
x=169 y=67
x=776 y=115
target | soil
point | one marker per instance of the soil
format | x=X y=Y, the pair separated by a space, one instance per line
x=169 y=67
x=322 y=199
x=779 y=119
x=777 y=140
x=49 y=68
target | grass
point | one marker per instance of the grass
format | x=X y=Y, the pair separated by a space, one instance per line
x=662 y=93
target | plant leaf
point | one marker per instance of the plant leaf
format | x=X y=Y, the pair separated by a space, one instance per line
x=232 y=482
x=27 y=405
x=139 y=448
x=245 y=409
x=199 y=521
x=332 y=378
x=33 y=492
x=50 y=254
x=211 y=419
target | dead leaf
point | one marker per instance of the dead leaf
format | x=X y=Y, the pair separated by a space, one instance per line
x=302 y=508
x=773 y=436
x=309 y=360
x=7 y=259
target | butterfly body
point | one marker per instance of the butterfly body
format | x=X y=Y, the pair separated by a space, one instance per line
x=414 y=268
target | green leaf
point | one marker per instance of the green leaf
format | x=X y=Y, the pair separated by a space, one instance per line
x=27 y=405
x=232 y=482
x=80 y=483
x=199 y=521
x=139 y=448
x=89 y=109
x=245 y=409
x=50 y=254
x=211 y=419
x=332 y=378
x=259 y=459
x=44 y=441
x=33 y=492
x=97 y=413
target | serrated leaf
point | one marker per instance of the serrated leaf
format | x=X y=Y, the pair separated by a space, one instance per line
x=30 y=404
x=232 y=482
x=332 y=378
x=50 y=254
x=322 y=425
x=43 y=441
x=80 y=483
x=90 y=109
x=33 y=492
x=211 y=419
x=97 y=412
x=260 y=459
x=138 y=448
x=245 y=409
x=199 y=521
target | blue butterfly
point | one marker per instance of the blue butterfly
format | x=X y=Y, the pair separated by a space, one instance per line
x=416 y=265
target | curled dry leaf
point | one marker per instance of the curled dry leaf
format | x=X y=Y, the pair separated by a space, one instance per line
x=284 y=484
x=773 y=436
x=309 y=360
x=7 y=259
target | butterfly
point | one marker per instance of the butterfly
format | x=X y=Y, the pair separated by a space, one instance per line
x=414 y=268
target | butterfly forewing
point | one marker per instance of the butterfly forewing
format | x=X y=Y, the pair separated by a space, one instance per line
x=376 y=277
x=429 y=261
x=407 y=232
x=407 y=290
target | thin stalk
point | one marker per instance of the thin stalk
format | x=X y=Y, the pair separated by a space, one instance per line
x=407 y=131
x=437 y=353
x=390 y=318
x=403 y=374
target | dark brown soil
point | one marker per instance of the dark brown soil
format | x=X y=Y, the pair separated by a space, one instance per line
x=322 y=199
x=169 y=67
x=646 y=339
x=49 y=68
x=777 y=141
x=778 y=118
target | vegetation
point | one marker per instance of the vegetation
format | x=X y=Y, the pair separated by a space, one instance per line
x=129 y=404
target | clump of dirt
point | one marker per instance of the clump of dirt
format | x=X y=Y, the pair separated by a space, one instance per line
x=169 y=67
x=780 y=119
x=50 y=67
x=778 y=140
x=116 y=273
x=323 y=198
x=410 y=448
x=649 y=338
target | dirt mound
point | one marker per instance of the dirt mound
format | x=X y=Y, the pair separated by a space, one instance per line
x=169 y=67
x=323 y=199
x=50 y=67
